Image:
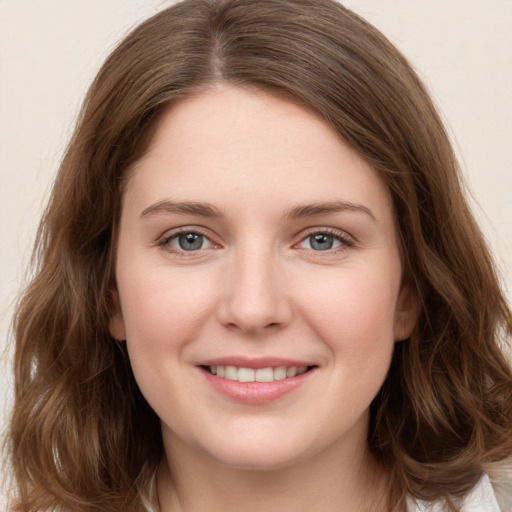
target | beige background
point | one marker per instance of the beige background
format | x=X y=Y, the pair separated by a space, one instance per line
x=51 y=49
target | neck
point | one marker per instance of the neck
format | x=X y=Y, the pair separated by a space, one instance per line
x=325 y=482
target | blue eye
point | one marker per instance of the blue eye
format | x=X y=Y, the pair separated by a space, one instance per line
x=188 y=241
x=323 y=241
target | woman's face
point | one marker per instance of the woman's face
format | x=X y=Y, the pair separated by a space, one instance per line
x=255 y=245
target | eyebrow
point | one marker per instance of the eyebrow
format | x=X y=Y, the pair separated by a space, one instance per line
x=184 y=208
x=210 y=211
x=311 y=210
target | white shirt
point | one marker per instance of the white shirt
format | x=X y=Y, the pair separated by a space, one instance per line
x=480 y=499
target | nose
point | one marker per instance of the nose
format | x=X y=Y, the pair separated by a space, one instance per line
x=254 y=298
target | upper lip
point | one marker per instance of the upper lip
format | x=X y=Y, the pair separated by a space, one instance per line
x=255 y=362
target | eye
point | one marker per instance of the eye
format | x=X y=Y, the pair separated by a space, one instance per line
x=325 y=241
x=187 y=241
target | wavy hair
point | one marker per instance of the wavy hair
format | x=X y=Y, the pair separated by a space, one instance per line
x=82 y=437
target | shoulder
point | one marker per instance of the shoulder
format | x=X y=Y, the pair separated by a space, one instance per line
x=500 y=476
x=493 y=493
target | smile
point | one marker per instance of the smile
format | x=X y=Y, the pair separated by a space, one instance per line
x=256 y=380
x=269 y=374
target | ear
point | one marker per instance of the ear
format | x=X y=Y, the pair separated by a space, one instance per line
x=406 y=313
x=116 y=325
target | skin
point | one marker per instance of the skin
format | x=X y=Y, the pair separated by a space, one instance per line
x=258 y=286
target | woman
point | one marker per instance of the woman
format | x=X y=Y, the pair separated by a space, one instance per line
x=260 y=286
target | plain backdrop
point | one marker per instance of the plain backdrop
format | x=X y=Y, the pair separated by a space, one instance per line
x=51 y=49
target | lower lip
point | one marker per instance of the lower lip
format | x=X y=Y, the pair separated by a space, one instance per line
x=256 y=392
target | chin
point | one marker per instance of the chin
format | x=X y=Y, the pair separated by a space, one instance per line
x=258 y=455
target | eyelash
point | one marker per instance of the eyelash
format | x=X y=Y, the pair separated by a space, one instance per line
x=345 y=240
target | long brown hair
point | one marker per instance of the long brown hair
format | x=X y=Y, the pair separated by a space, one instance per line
x=82 y=437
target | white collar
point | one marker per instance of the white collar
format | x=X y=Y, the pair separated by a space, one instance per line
x=480 y=499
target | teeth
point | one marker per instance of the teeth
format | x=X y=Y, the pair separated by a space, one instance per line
x=264 y=375
x=280 y=373
x=231 y=373
x=260 y=375
x=246 y=375
x=291 y=372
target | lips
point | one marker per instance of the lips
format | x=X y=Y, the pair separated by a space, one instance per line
x=255 y=380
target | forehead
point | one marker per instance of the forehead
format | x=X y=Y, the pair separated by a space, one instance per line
x=238 y=144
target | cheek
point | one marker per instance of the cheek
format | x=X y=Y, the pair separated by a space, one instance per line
x=163 y=312
x=163 y=308
x=353 y=312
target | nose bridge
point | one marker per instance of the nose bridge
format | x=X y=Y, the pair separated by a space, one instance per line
x=255 y=297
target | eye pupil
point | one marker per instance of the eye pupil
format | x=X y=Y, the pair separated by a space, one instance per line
x=190 y=241
x=321 y=242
